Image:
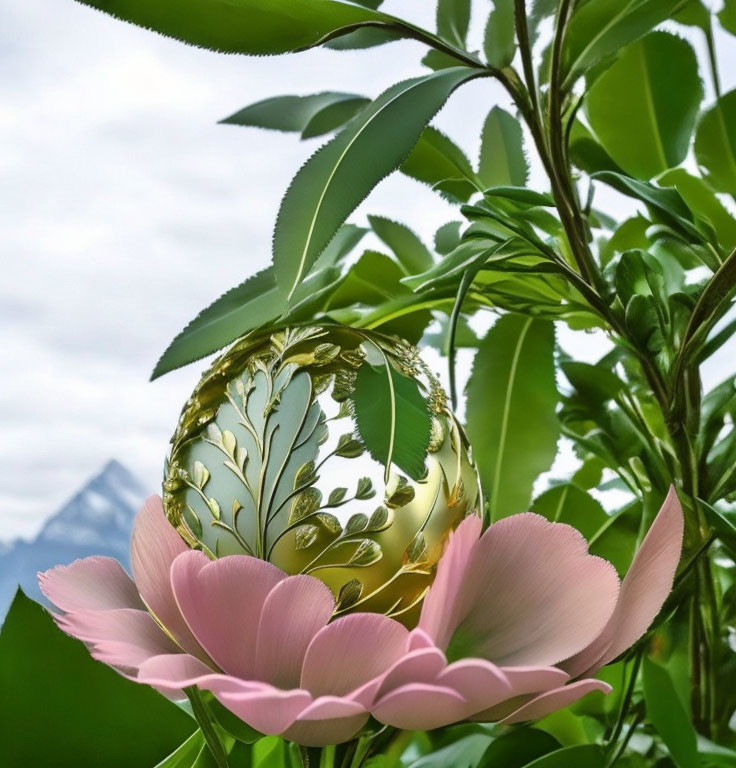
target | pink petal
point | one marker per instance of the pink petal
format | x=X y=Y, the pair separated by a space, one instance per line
x=444 y=606
x=643 y=592
x=420 y=707
x=327 y=720
x=526 y=680
x=417 y=639
x=481 y=683
x=91 y=584
x=294 y=611
x=175 y=672
x=221 y=602
x=123 y=637
x=270 y=711
x=420 y=666
x=558 y=698
x=350 y=652
x=538 y=597
x=155 y=545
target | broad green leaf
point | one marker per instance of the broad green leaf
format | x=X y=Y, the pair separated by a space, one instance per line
x=511 y=420
x=630 y=234
x=723 y=527
x=518 y=748
x=595 y=383
x=404 y=243
x=599 y=28
x=703 y=202
x=61 y=708
x=244 y=26
x=335 y=180
x=668 y=716
x=269 y=753
x=453 y=20
x=185 y=755
x=373 y=279
x=715 y=143
x=582 y=756
x=502 y=158
x=392 y=418
x=436 y=160
x=346 y=239
x=727 y=16
x=523 y=197
x=617 y=540
x=666 y=204
x=295 y=113
x=252 y=304
x=463 y=753
x=569 y=504
x=365 y=37
x=642 y=122
x=499 y=42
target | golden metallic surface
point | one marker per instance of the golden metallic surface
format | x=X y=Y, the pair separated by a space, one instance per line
x=268 y=460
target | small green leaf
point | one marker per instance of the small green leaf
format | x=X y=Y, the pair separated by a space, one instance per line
x=453 y=21
x=666 y=204
x=436 y=160
x=184 y=755
x=410 y=251
x=723 y=527
x=642 y=122
x=333 y=116
x=569 y=504
x=502 y=158
x=511 y=420
x=392 y=418
x=668 y=716
x=447 y=237
x=463 y=753
x=293 y=113
x=715 y=143
x=364 y=37
x=499 y=41
x=335 y=180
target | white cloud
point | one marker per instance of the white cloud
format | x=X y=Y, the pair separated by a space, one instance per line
x=126 y=209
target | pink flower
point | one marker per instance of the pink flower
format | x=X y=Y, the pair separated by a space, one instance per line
x=518 y=619
x=238 y=626
x=515 y=622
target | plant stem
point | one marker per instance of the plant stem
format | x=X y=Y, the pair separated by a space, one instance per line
x=204 y=719
x=626 y=701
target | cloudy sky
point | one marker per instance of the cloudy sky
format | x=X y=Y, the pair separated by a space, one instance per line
x=125 y=209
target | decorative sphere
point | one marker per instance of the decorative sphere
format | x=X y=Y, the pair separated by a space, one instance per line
x=329 y=451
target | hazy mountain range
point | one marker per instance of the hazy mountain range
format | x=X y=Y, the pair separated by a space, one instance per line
x=97 y=520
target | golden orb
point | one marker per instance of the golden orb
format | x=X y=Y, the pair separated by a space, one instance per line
x=329 y=451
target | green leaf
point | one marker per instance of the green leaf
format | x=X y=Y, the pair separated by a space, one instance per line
x=185 y=755
x=502 y=158
x=447 y=237
x=244 y=26
x=642 y=122
x=463 y=753
x=668 y=716
x=703 y=202
x=404 y=243
x=582 y=756
x=252 y=304
x=523 y=197
x=333 y=116
x=296 y=113
x=715 y=143
x=599 y=28
x=499 y=41
x=587 y=153
x=723 y=527
x=666 y=204
x=336 y=179
x=518 y=748
x=392 y=418
x=453 y=21
x=436 y=160
x=80 y=712
x=596 y=383
x=511 y=400
x=365 y=37
x=569 y=504
x=727 y=16
x=616 y=541
x=373 y=279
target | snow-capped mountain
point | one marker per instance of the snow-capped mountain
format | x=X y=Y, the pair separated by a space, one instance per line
x=95 y=521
